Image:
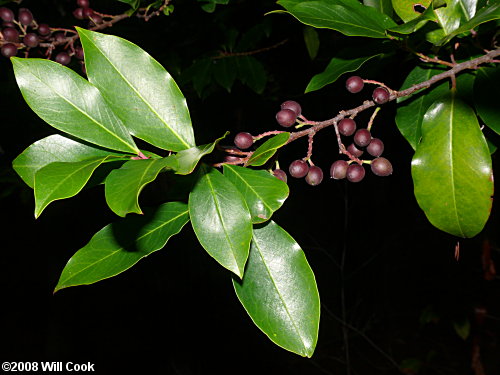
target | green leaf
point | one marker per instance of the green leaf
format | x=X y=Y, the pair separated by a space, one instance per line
x=416 y=23
x=220 y=219
x=266 y=151
x=123 y=185
x=311 y=39
x=462 y=328
x=134 y=4
x=251 y=72
x=71 y=104
x=209 y=5
x=61 y=180
x=451 y=169
x=225 y=71
x=51 y=149
x=262 y=192
x=118 y=246
x=405 y=9
x=342 y=63
x=410 y=112
x=279 y=290
x=188 y=159
x=483 y=15
x=383 y=6
x=346 y=16
x=486 y=94
x=452 y=15
x=139 y=90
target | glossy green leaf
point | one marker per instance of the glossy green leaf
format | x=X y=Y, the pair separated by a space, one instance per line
x=343 y=63
x=139 y=90
x=486 y=96
x=311 y=39
x=123 y=185
x=405 y=9
x=483 y=15
x=416 y=23
x=451 y=169
x=118 y=246
x=410 y=111
x=279 y=290
x=221 y=219
x=60 y=180
x=266 y=151
x=383 y=6
x=349 y=17
x=133 y=3
x=251 y=72
x=452 y=15
x=188 y=159
x=71 y=104
x=262 y=192
x=51 y=149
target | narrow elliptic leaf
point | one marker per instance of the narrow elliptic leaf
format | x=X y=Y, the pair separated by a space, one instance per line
x=279 y=290
x=51 y=149
x=486 y=94
x=188 y=159
x=123 y=185
x=349 y=17
x=408 y=10
x=263 y=192
x=60 y=180
x=221 y=219
x=339 y=65
x=118 y=246
x=70 y=103
x=451 y=169
x=139 y=90
x=225 y=71
x=251 y=72
x=411 y=110
x=265 y=151
x=483 y=15
x=311 y=39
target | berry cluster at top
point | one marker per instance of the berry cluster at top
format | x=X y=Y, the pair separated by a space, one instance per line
x=353 y=169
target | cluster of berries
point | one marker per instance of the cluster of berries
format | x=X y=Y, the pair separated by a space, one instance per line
x=290 y=112
x=25 y=33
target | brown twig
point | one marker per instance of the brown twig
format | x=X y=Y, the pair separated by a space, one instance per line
x=223 y=54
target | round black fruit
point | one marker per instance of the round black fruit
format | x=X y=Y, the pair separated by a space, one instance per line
x=31 y=40
x=380 y=95
x=347 y=126
x=381 y=167
x=362 y=137
x=63 y=58
x=281 y=174
x=25 y=16
x=43 y=29
x=243 y=140
x=338 y=169
x=286 y=117
x=314 y=176
x=298 y=168
x=8 y=50
x=10 y=34
x=292 y=105
x=355 y=173
x=376 y=147
x=354 y=84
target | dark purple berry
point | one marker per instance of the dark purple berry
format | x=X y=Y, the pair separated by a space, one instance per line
x=381 y=167
x=380 y=95
x=231 y=159
x=43 y=29
x=293 y=105
x=79 y=53
x=362 y=137
x=59 y=37
x=78 y=14
x=338 y=169
x=281 y=174
x=347 y=126
x=97 y=19
x=243 y=140
x=298 y=168
x=354 y=84
x=25 y=17
x=314 y=176
x=355 y=172
x=63 y=58
x=31 y=40
x=10 y=34
x=354 y=150
x=9 y=50
x=376 y=147
x=88 y=12
x=286 y=117
x=9 y=24
x=6 y=14
x=83 y=3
